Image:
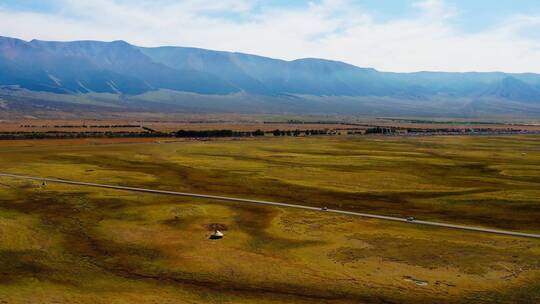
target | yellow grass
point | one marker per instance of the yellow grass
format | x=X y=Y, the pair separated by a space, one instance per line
x=68 y=244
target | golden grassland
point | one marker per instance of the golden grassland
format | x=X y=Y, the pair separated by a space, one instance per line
x=68 y=244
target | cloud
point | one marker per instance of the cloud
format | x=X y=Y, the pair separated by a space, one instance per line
x=437 y=9
x=333 y=29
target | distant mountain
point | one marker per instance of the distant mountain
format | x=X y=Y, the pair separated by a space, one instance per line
x=90 y=66
x=134 y=74
x=514 y=89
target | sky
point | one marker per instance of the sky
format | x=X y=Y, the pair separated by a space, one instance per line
x=389 y=35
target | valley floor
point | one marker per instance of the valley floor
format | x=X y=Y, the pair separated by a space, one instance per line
x=68 y=244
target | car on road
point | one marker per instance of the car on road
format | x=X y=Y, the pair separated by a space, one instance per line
x=324 y=209
x=411 y=219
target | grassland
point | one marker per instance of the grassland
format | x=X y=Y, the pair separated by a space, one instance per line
x=69 y=244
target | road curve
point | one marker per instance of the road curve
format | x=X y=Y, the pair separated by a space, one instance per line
x=242 y=200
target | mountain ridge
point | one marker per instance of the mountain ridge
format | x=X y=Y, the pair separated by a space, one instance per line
x=120 y=68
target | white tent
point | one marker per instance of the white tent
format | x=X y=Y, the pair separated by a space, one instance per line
x=216 y=235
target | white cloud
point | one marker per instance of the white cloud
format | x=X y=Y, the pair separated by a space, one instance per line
x=438 y=9
x=333 y=29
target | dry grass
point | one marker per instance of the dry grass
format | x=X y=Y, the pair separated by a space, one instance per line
x=65 y=244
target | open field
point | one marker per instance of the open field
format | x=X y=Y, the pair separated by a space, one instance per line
x=244 y=123
x=67 y=244
x=68 y=126
x=161 y=126
x=66 y=129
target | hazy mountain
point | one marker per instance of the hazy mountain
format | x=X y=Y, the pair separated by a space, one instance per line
x=142 y=76
x=513 y=89
x=91 y=66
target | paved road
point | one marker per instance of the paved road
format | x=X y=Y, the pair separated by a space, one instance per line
x=241 y=200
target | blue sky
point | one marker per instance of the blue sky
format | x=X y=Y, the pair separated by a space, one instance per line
x=394 y=35
x=474 y=15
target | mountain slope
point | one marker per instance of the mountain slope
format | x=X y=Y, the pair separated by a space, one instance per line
x=513 y=89
x=136 y=73
x=83 y=66
x=119 y=67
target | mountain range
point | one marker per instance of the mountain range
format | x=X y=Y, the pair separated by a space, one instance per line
x=118 y=76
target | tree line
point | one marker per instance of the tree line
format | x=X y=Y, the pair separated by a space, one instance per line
x=231 y=133
x=74 y=135
x=153 y=133
x=81 y=126
x=216 y=133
